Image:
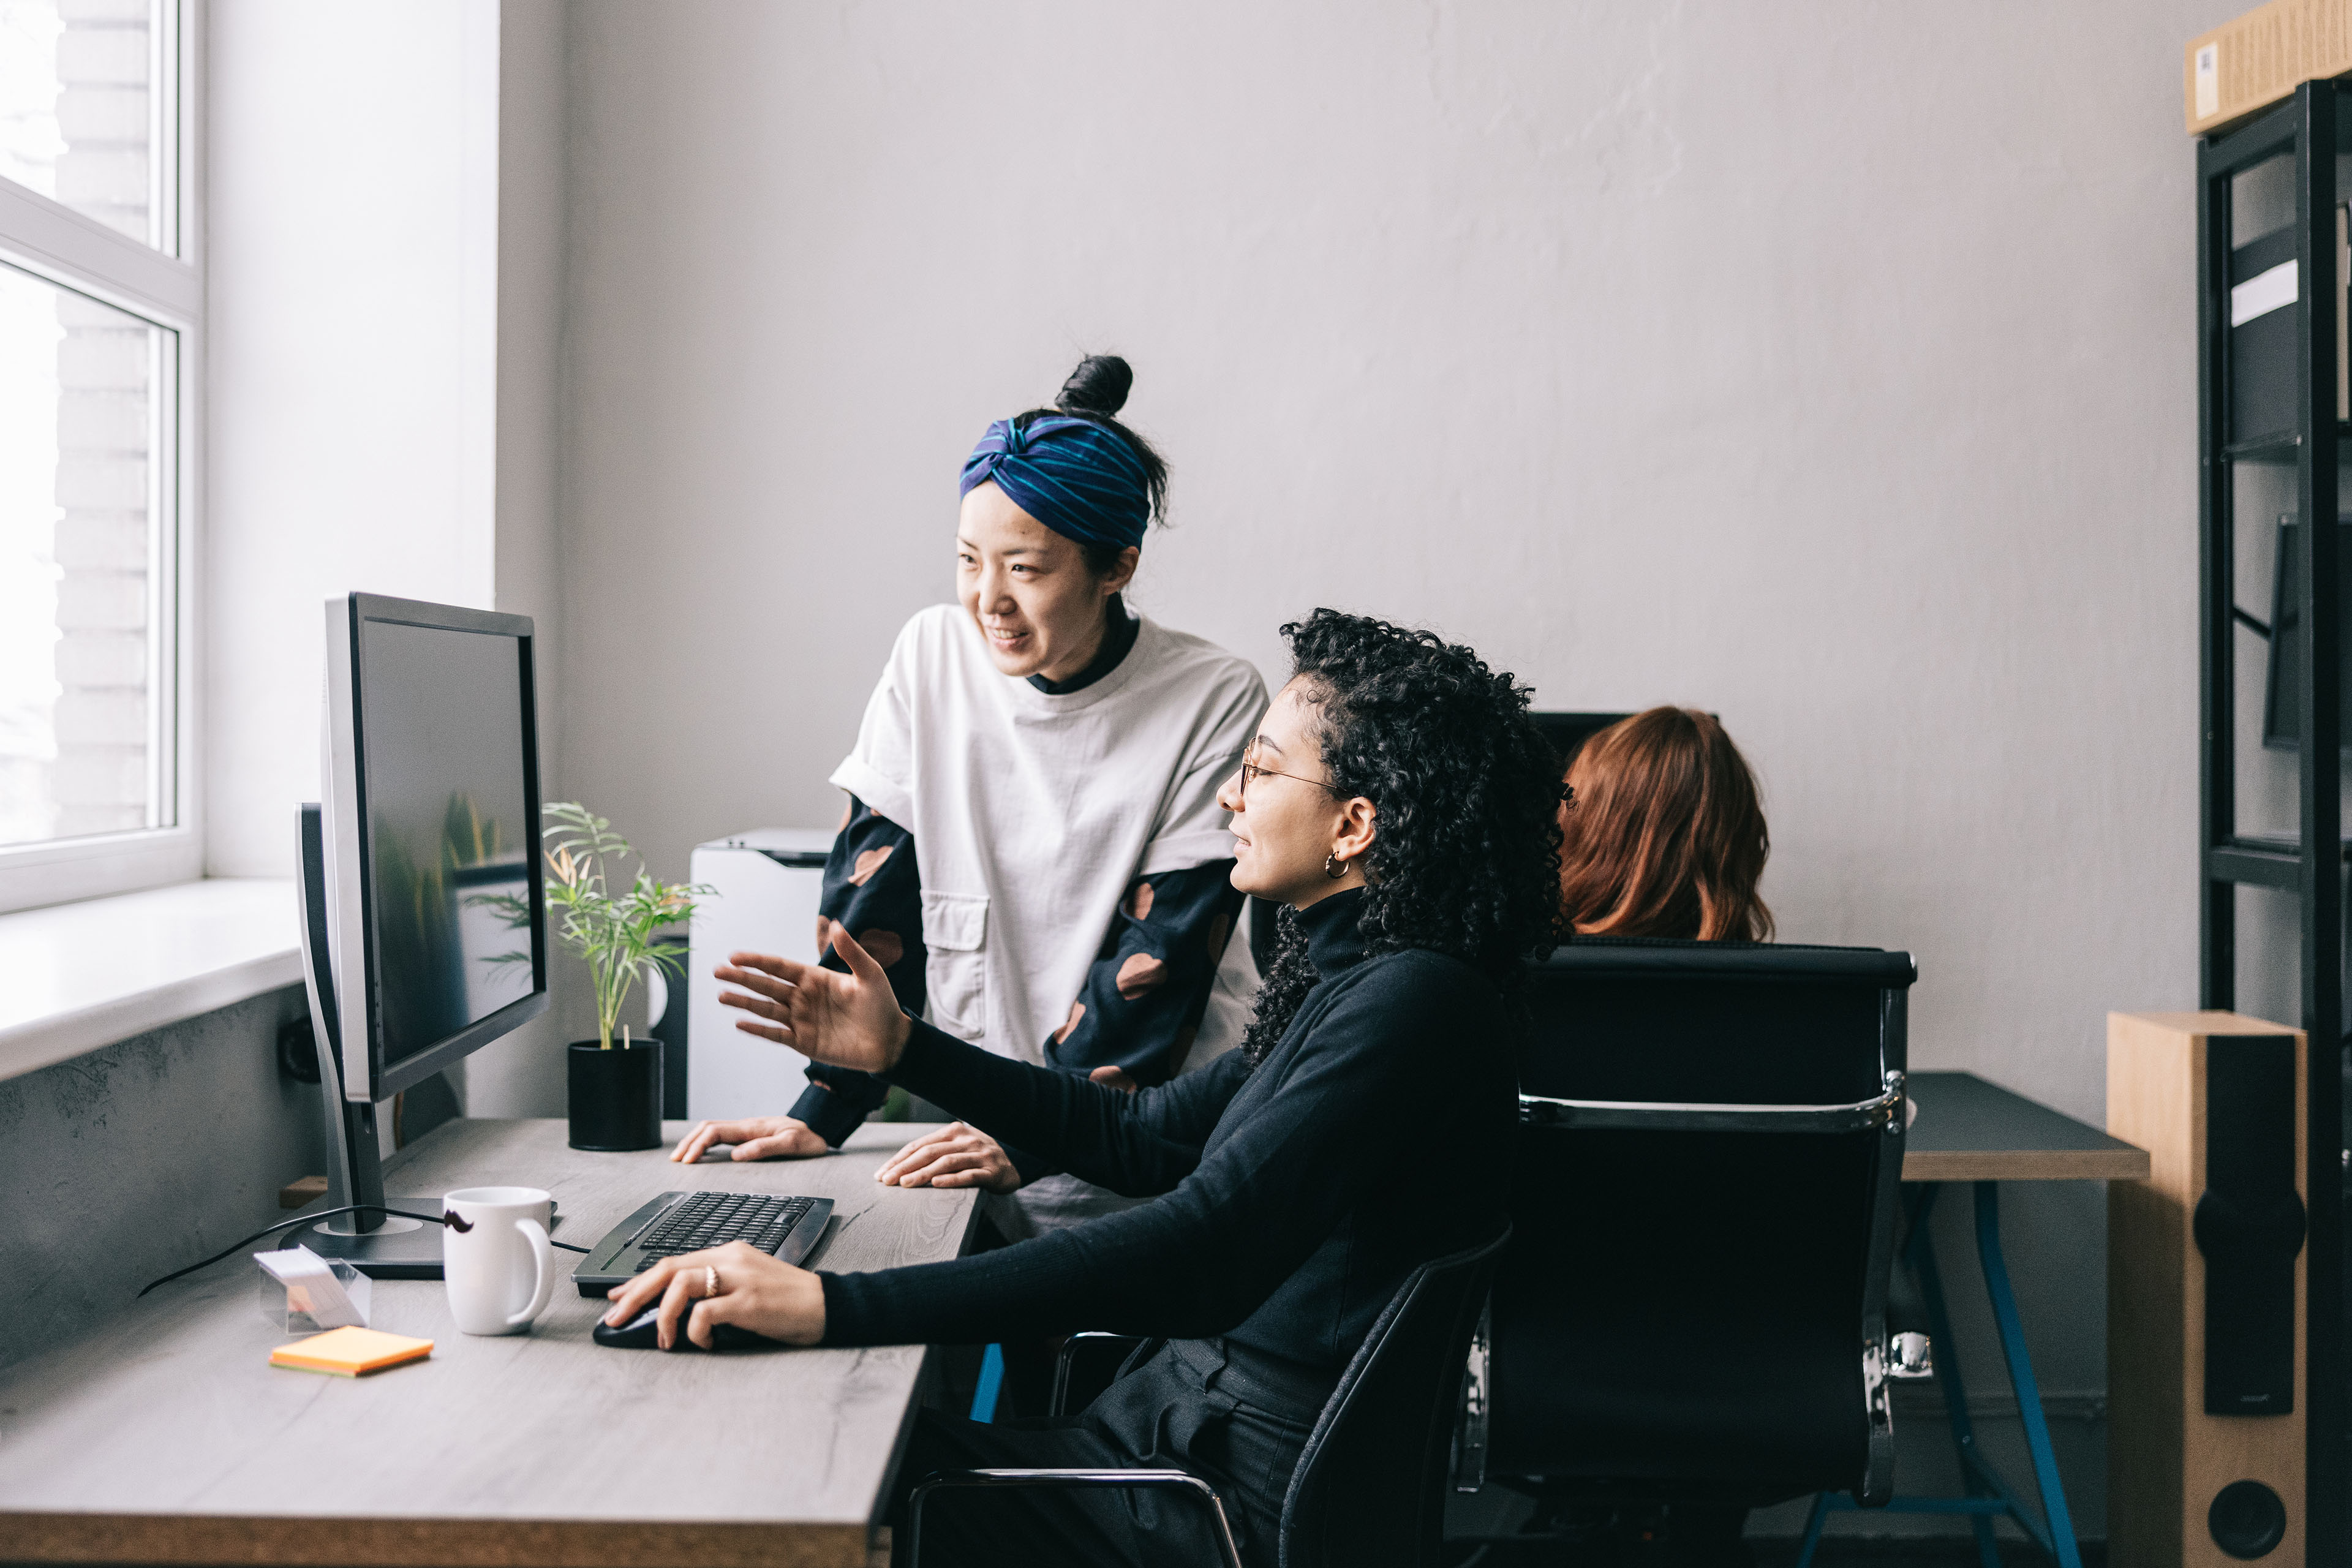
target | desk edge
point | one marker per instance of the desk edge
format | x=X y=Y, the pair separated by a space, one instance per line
x=2121 y=1165
x=291 y=1540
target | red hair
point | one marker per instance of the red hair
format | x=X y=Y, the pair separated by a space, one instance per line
x=1665 y=837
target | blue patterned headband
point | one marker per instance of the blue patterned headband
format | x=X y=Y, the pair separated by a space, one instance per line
x=1074 y=476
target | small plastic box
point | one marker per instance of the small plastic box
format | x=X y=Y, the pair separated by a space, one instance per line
x=288 y=1307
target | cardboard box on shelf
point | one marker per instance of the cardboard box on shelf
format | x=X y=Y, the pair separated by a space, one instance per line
x=2246 y=66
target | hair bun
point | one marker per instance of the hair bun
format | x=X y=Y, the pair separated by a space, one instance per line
x=1099 y=385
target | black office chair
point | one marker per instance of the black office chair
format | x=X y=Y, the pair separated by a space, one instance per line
x=1693 y=1309
x=1369 y=1489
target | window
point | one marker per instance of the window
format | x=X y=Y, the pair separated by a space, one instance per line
x=82 y=120
x=101 y=323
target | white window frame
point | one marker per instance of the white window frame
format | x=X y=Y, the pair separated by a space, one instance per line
x=165 y=286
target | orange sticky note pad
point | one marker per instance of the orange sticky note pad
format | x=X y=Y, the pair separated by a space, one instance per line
x=350 y=1353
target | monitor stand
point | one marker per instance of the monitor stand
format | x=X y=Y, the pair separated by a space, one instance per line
x=379 y=1246
x=398 y=1248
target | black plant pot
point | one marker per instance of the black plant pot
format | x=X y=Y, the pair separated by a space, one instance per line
x=616 y=1096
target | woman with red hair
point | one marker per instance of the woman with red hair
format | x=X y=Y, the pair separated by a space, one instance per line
x=1663 y=833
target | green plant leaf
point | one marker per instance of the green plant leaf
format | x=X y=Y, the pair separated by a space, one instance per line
x=613 y=933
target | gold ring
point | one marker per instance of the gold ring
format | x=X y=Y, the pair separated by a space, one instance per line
x=709 y=1280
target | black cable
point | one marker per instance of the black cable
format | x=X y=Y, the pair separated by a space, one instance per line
x=296 y=1223
x=289 y=1227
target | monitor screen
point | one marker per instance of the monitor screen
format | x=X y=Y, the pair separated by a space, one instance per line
x=449 y=837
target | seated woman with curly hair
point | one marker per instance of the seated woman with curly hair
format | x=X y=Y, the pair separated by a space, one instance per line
x=1399 y=801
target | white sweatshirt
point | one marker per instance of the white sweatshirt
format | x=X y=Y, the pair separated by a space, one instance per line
x=1033 y=814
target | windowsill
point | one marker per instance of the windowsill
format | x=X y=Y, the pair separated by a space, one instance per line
x=82 y=976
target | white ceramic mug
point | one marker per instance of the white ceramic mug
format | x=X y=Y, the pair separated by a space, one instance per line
x=496 y=1260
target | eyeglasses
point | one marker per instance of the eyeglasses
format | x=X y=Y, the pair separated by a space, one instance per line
x=1250 y=770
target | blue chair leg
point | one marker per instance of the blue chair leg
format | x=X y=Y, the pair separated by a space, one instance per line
x=2020 y=1377
x=992 y=1380
x=1814 y=1523
x=1919 y=1252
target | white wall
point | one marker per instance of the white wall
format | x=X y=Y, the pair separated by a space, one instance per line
x=386 y=228
x=1831 y=367
x=1827 y=365
x=353 y=271
x=522 y=1073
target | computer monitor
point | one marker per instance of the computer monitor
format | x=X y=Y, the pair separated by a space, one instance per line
x=1568 y=731
x=2283 y=688
x=424 y=905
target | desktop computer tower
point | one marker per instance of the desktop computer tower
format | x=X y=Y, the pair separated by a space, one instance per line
x=769 y=882
x=2206 y=1267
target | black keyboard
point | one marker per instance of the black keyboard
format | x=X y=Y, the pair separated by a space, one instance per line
x=675 y=1222
x=714 y=1219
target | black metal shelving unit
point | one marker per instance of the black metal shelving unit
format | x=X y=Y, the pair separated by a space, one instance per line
x=2271 y=442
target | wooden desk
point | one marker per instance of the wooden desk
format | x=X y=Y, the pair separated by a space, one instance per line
x=1971 y=1131
x=163 y=1435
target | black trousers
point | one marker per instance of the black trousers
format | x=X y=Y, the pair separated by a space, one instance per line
x=1183 y=1409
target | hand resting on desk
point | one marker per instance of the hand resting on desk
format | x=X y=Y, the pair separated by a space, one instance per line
x=956 y=1155
x=757 y=1291
x=753 y=1138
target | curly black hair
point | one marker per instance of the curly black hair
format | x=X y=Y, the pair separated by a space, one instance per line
x=1465 y=857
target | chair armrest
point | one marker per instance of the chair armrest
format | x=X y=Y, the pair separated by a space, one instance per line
x=1089 y=1363
x=1069 y=1478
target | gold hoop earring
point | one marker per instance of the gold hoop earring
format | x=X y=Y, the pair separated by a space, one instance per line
x=1334 y=868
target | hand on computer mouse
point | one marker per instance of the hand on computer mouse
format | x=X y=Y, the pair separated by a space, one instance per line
x=697 y=1292
x=643 y=1333
x=753 y=1138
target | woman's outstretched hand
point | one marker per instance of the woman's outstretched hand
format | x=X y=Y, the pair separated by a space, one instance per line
x=849 y=1020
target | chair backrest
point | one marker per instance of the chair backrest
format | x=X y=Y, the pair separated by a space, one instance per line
x=1369 y=1489
x=1704 y=1208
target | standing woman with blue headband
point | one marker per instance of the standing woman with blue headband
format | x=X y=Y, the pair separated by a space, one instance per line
x=1032 y=849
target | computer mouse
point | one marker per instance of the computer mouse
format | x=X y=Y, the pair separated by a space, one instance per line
x=640 y=1334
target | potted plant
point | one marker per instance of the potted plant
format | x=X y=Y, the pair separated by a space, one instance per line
x=616 y=1087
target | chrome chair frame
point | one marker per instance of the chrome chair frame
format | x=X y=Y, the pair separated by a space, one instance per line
x=1181 y=1480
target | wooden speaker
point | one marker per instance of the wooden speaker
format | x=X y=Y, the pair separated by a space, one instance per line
x=2205 y=1292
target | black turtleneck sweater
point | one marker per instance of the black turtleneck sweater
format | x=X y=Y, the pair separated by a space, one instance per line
x=1119 y=630
x=1291 y=1200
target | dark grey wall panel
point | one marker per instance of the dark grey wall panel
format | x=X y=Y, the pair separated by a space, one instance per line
x=139 y=1159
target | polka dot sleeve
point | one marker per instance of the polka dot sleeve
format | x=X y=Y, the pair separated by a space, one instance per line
x=871 y=886
x=1142 y=1001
